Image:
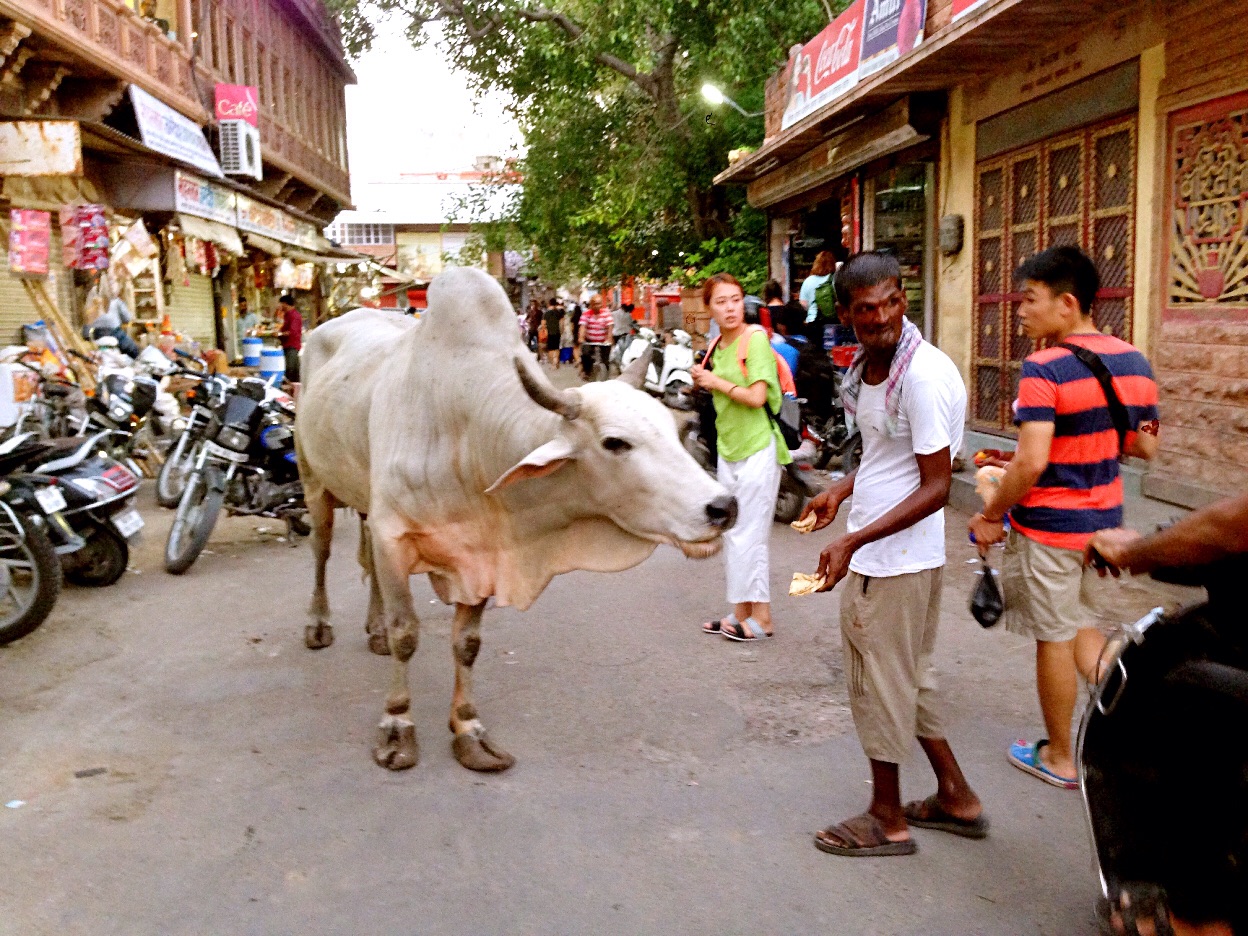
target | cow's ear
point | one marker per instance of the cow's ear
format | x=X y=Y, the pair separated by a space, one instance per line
x=543 y=460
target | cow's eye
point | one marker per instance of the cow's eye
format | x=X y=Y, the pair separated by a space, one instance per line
x=612 y=444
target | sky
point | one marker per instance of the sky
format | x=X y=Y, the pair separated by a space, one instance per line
x=411 y=113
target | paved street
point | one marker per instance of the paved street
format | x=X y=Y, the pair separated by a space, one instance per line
x=667 y=782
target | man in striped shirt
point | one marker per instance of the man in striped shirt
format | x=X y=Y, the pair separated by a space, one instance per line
x=596 y=327
x=1061 y=487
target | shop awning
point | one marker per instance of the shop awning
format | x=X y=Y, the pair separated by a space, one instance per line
x=264 y=244
x=220 y=234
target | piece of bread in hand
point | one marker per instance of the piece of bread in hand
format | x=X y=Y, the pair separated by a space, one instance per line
x=805 y=525
x=805 y=584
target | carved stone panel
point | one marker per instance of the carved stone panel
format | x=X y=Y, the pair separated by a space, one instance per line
x=1209 y=206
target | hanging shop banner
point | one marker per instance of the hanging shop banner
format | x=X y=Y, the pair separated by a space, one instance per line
x=891 y=29
x=40 y=148
x=195 y=196
x=84 y=237
x=267 y=221
x=419 y=255
x=962 y=7
x=165 y=130
x=238 y=102
x=29 y=235
x=827 y=66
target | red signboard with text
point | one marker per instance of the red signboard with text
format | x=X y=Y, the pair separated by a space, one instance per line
x=238 y=102
x=962 y=7
x=827 y=66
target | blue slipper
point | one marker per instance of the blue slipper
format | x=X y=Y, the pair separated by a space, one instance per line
x=1026 y=757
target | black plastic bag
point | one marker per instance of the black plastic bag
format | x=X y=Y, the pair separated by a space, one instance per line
x=986 y=602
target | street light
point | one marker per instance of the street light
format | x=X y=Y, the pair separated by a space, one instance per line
x=714 y=96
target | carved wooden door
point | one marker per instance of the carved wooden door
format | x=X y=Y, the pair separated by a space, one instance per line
x=1079 y=189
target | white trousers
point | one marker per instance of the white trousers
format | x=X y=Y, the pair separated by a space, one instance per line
x=754 y=481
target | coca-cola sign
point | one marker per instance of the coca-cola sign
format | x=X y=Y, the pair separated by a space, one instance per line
x=238 y=102
x=827 y=66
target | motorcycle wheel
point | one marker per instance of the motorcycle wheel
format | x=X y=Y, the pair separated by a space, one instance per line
x=101 y=561
x=30 y=580
x=192 y=525
x=852 y=454
x=171 y=481
x=789 y=501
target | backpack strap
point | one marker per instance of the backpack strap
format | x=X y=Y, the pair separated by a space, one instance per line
x=1117 y=411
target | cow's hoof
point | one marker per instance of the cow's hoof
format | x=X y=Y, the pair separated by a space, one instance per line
x=477 y=753
x=396 y=748
x=379 y=644
x=318 y=636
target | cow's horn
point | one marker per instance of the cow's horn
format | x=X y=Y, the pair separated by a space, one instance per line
x=564 y=403
x=635 y=374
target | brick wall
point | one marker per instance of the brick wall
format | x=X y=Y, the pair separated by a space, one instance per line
x=1202 y=372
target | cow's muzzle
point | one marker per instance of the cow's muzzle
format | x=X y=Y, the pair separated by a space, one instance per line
x=721 y=513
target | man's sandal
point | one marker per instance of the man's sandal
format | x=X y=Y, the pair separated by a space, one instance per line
x=861 y=837
x=929 y=814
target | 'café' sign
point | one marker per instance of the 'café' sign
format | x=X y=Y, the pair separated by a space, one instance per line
x=238 y=102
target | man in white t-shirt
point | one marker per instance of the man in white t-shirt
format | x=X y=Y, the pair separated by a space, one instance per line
x=910 y=403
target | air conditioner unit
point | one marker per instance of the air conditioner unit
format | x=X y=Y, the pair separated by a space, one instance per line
x=240 y=149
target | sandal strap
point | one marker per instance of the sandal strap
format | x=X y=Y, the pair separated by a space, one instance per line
x=755 y=627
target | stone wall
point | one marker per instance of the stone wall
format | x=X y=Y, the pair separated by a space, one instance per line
x=1202 y=372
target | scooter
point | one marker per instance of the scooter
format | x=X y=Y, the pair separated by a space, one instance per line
x=644 y=341
x=673 y=378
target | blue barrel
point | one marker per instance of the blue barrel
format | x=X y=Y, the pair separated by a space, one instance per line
x=272 y=364
x=251 y=351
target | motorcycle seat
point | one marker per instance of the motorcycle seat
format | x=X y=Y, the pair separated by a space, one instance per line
x=33 y=450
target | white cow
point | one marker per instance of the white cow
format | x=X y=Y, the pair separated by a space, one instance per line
x=470 y=466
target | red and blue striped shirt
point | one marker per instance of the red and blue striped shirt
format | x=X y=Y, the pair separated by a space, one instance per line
x=1080 y=491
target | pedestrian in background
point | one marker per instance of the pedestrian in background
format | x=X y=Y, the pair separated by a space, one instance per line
x=782 y=324
x=751 y=453
x=291 y=334
x=245 y=322
x=1062 y=486
x=567 y=340
x=910 y=403
x=551 y=318
x=596 y=336
x=533 y=322
x=820 y=273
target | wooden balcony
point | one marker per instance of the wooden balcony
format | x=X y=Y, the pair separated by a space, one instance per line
x=111 y=37
x=105 y=45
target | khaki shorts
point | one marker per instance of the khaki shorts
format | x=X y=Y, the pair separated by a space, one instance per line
x=1047 y=591
x=888 y=630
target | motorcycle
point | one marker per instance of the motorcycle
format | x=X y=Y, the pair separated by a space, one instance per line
x=644 y=341
x=204 y=397
x=30 y=569
x=90 y=497
x=673 y=377
x=1160 y=732
x=246 y=463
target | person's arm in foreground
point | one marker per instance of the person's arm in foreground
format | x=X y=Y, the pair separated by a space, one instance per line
x=1035 y=439
x=1204 y=536
x=935 y=478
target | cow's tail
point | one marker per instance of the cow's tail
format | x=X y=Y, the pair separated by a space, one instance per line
x=365 y=556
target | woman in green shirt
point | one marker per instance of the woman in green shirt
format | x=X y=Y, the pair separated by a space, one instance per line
x=751 y=451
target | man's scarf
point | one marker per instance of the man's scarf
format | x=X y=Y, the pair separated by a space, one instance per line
x=909 y=342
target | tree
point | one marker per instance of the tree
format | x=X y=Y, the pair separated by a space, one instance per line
x=620 y=149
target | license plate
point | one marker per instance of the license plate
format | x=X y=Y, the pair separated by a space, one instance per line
x=128 y=522
x=50 y=499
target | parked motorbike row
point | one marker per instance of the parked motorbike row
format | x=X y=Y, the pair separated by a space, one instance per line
x=71 y=468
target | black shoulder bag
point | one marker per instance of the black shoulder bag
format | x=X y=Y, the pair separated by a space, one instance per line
x=1117 y=411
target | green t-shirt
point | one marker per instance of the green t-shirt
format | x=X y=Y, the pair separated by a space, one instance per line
x=743 y=430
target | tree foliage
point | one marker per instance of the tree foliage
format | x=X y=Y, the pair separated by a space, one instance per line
x=620 y=149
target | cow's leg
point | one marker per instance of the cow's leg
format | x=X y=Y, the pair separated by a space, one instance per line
x=320 y=505
x=471 y=746
x=375 y=624
x=396 y=747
